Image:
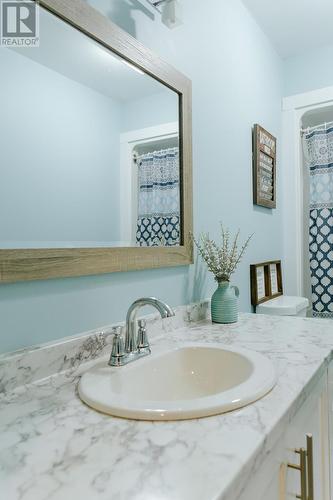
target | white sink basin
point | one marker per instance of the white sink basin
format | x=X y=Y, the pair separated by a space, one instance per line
x=190 y=381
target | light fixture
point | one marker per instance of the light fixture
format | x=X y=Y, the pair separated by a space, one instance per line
x=171 y=11
x=172 y=14
x=134 y=68
x=112 y=60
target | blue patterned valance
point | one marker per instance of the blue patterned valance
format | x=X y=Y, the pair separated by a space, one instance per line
x=319 y=152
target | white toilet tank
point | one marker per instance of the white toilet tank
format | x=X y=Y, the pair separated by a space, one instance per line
x=284 y=305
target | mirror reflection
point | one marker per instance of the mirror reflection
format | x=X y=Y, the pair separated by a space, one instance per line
x=90 y=148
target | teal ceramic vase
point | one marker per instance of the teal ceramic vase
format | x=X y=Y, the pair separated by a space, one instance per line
x=224 y=304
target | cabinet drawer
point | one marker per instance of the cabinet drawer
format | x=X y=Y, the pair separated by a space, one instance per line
x=274 y=480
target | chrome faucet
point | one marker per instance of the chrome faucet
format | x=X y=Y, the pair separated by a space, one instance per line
x=136 y=343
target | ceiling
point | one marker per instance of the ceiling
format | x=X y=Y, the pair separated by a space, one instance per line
x=294 y=26
x=317 y=116
x=74 y=55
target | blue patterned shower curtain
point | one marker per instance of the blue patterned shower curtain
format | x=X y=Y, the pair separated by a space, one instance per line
x=319 y=158
x=158 y=221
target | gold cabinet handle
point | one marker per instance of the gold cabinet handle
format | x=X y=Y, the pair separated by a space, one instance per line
x=309 y=455
x=302 y=469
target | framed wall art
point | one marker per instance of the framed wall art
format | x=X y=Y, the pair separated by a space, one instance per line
x=266 y=281
x=264 y=167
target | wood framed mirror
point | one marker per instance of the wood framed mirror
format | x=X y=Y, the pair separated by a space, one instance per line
x=103 y=121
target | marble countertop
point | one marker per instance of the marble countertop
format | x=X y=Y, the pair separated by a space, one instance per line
x=54 y=447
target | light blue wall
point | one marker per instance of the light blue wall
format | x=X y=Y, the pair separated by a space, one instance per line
x=310 y=71
x=150 y=111
x=69 y=167
x=236 y=82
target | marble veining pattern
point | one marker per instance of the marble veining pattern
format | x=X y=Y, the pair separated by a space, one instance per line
x=54 y=447
x=28 y=365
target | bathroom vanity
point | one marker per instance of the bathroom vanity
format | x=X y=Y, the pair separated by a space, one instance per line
x=276 y=442
x=55 y=447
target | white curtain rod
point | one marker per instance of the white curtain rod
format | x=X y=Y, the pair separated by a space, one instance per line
x=322 y=125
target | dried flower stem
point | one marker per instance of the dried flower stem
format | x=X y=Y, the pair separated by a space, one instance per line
x=221 y=261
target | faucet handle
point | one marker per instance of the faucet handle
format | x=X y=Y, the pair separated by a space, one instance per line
x=142 y=323
x=142 y=343
x=118 y=349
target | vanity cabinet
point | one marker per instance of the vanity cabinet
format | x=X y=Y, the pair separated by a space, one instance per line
x=276 y=479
